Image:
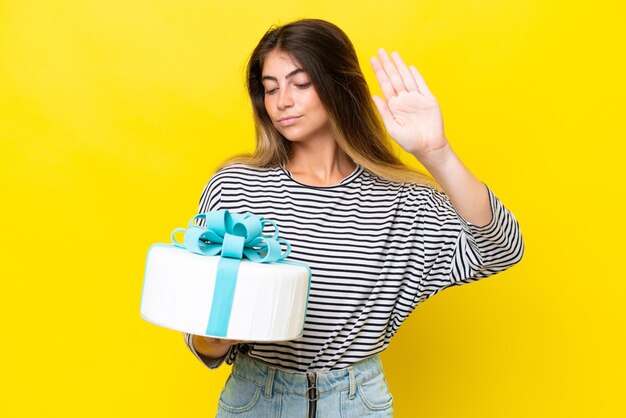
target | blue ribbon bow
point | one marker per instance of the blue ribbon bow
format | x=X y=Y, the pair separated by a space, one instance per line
x=232 y=236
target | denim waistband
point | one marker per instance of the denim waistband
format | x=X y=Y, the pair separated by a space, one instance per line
x=276 y=379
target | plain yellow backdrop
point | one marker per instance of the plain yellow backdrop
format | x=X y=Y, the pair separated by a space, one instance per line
x=114 y=114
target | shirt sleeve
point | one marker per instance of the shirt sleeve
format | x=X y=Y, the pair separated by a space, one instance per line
x=210 y=198
x=210 y=362
x=455 y=251
x=210 y=201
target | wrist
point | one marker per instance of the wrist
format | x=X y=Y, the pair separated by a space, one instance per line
x=435 y=159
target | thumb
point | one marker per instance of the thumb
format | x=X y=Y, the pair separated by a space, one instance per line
x=383 y=109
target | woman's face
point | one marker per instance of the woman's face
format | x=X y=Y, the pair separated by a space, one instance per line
x=291 y=100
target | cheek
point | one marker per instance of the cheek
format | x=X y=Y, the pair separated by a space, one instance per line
x=320 y=111
x=313 y=103
x=268 y=105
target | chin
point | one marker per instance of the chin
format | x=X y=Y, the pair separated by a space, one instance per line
x=292 y=137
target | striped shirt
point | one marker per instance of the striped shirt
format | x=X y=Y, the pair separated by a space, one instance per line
x=376 y=249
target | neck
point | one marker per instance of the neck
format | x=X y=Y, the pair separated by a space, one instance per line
x=319 y=162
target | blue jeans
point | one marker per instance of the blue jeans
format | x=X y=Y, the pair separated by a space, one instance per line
x=257 y=389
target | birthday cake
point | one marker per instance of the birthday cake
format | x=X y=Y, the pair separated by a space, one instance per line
x=210 y=286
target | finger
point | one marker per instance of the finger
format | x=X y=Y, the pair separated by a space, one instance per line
x=383 y=80
x=383 y=109
x=421 y=84
x=406 y=75
x=391 y=70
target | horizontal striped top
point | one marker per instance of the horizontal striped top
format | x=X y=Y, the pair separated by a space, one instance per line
x=376 y=249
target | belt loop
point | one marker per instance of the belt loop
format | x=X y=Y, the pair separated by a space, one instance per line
x=352 y=392
x=269 y=382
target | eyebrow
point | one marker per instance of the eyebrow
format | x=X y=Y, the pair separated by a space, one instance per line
x=294 y=72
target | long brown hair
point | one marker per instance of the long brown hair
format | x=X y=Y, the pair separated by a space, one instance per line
x=325 y=52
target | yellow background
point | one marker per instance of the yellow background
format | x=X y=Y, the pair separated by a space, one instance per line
x=114 y=114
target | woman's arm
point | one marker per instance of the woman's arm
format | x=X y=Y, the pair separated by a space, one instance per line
x=413 y=119
x=466 y=231
x=468 y=195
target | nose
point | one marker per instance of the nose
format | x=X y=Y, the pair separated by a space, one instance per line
x=284 y=98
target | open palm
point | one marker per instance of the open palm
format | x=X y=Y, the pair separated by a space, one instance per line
x=411 y=113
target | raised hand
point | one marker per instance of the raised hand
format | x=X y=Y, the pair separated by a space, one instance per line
x=411 y=113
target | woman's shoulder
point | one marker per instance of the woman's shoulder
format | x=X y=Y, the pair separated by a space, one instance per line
x=244 y=172
x=406 y=185
x=413 y=195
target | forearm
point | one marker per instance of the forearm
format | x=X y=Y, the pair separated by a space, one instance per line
x=467 y=194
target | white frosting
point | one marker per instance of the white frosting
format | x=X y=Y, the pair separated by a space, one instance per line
x=269 y=302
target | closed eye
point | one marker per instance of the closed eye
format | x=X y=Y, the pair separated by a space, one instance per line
x=300 y=86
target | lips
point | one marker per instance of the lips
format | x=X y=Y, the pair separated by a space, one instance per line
x=288 y=120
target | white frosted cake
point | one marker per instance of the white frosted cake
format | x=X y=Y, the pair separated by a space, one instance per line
x=269 y=301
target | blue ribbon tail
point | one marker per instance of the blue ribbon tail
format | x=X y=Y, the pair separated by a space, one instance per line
x=223 y=295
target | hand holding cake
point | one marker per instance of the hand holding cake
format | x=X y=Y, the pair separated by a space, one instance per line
x=213 y=347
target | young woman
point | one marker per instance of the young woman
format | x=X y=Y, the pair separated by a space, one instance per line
x=379 y=237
